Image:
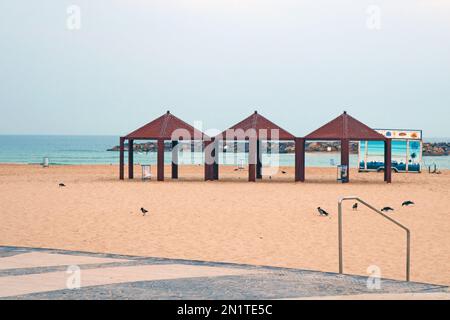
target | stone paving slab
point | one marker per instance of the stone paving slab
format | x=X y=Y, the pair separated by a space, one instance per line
x=246 y=287
x=385 y=296
x=42 y=259
x=51 y=281
x=159 y=278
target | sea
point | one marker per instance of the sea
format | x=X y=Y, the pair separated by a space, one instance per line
x=79 y=150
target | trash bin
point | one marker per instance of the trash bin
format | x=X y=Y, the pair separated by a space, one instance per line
x=146 y=172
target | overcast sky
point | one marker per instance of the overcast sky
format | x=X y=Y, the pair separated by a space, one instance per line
x=300 y=63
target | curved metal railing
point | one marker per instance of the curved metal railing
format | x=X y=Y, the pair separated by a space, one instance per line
x=408 y=237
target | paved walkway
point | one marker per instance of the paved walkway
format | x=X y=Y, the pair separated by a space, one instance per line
x=27 y=273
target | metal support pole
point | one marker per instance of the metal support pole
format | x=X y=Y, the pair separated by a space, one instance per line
x=252 y=159
x=408 y=234
x=174 y=160
x=345 y=155
x=160 y=162
x=130 y=159
x=258 y=160
x=216 y=159
x=341 y=259
x=388 y=160
x=408 y=255
x=299 y=159
x=209 y=158
x=122 y=158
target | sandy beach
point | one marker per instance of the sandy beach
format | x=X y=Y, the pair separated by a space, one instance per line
x=271 y=222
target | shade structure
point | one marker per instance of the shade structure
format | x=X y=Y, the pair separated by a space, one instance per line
x=166 y=127
x=258 y=124
x=254 y=129
x=344 y=128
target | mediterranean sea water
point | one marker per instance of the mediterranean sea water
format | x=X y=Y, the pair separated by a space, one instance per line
x=65 y=150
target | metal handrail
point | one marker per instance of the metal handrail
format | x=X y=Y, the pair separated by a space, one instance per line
x=408 y=237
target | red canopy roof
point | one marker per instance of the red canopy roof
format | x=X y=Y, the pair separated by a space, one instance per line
x=163 y=127
x=258 y=123
x=345 y=127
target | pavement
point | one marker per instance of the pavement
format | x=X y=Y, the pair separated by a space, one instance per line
x=35 y=273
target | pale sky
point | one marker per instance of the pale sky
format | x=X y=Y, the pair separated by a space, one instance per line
x=300 y=63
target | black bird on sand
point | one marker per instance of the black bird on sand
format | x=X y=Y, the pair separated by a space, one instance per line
x=407 y=203
x=283 y=172
x=386 y=209
x=355 y=206
x=143 y=211
x=62 y=184
x=322 y=212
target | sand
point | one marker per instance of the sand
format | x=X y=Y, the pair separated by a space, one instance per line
x=265 y=223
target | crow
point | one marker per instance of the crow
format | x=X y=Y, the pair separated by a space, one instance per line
x=62 y=185
x=407 y=203
x=355 y=206
x=322 y=212
x=143 y=211
x=386 y=209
